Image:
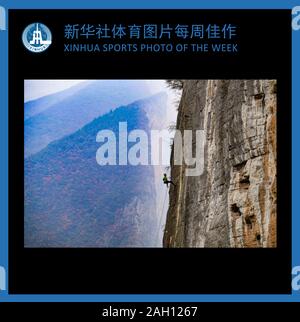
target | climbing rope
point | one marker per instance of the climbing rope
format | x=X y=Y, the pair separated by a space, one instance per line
x=160 y=219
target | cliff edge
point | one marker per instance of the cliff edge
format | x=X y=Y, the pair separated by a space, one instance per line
x=233 y=202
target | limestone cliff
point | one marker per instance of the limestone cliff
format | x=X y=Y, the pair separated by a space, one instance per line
x=233 y=202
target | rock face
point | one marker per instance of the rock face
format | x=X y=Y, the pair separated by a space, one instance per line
x=233 y=202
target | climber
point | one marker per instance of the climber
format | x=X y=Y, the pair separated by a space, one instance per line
x=166 y=181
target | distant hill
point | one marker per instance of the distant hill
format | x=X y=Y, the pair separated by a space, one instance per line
x=39 y=105
x=55 y=116
x=71 y=201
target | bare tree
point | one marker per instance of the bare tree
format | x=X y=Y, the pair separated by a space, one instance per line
x=175 y=83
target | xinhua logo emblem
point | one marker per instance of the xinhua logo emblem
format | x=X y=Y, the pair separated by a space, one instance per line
x=37 y=37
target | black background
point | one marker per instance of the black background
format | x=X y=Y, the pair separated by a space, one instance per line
x=265 y=53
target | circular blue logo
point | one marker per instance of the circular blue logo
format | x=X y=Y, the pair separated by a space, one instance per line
x=37 y=37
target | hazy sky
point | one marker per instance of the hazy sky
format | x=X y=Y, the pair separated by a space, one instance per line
x=36 y=88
